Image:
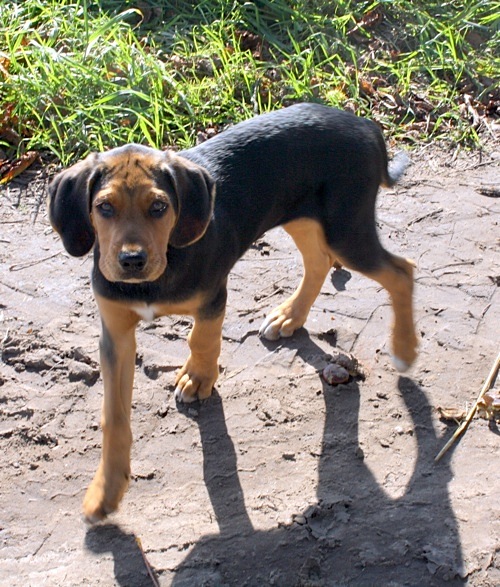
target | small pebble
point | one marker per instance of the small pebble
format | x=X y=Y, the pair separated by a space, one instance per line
x=83 y=372
x=163 y=410
x=335 y=374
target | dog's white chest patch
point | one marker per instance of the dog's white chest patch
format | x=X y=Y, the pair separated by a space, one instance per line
x=146 y=312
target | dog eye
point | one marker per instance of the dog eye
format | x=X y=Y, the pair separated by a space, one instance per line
x=158 y=208
x=106 y=209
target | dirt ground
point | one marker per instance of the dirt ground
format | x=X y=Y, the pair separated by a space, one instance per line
x=279 y=479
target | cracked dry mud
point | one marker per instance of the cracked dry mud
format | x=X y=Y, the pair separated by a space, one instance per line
x=279 y=479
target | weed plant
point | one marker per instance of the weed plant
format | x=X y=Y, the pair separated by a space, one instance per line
x=77 y=76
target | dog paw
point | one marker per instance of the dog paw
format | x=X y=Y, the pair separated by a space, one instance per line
x=282 y=322
x=404 y=352
x=185 y=392
x=404 y=358
x=195 y=382
x=401 y=366
x=103 y=496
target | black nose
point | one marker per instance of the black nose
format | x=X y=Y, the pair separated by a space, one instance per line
x=133 y=260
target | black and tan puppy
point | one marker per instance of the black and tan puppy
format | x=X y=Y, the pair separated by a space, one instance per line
x=167 y=228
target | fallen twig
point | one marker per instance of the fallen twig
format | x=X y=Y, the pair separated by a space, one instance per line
x=19 y=290
x=149 y=568
x=27 y=264
x=432 y=214
x=464 y=425
x=480 y=164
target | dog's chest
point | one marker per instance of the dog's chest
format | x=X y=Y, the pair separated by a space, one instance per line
x=147 y=312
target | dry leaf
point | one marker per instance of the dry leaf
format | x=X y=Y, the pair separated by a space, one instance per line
x=371 y=19
x=4 y=64
x=489 y=405
x=366 y=87
x=451 y=414
x=18 y=166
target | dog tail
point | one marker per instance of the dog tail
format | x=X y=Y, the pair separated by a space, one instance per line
x=396 y=168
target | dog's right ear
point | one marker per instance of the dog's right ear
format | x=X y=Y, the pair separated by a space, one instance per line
x=69 y=206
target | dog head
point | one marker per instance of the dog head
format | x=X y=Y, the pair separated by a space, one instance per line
x=135 y=202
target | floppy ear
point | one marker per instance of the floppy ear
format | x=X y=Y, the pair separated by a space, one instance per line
x=69 y=206
x=195 y=192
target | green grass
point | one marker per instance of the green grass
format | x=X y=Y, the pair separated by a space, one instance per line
x=79 y=76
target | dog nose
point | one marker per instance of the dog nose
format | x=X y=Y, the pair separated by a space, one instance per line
x=132 y=260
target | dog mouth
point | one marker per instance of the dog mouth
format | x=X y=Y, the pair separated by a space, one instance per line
x=132 y=265
x=116 y=273
x=133 y=279
x=130 y=278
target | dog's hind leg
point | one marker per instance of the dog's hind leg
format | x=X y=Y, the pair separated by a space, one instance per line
x=318 y=259
x=394 y=273
x=117 y=354
x=396 y=276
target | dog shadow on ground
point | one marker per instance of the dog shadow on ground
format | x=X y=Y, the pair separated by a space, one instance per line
x=129 y=567
x=353 y=535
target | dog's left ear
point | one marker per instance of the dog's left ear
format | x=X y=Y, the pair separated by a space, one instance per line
x=69 y=206
x=194 y=189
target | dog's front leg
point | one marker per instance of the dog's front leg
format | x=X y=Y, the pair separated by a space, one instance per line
x=117 y=353
x=197 y=377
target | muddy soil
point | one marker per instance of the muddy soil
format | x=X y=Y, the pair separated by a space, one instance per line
x=278 y=479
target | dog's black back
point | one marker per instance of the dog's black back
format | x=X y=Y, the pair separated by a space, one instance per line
x=305 y=161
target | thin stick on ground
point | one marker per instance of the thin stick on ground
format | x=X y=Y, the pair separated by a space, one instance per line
x=149 y=569
x=464 y=425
